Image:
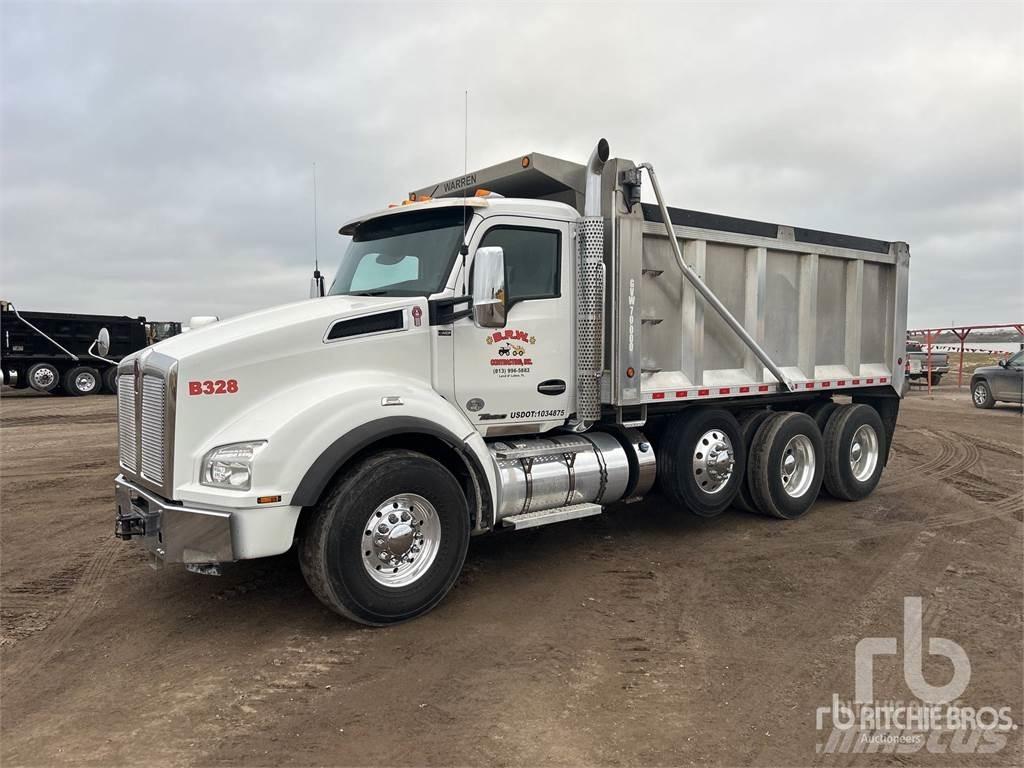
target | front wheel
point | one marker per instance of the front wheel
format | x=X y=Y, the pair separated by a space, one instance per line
x=388 y=540
x=982 y=395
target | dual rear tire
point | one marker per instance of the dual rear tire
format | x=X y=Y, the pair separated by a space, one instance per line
x=773 y=463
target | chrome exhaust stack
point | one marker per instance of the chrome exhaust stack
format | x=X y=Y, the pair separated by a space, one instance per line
x=590 y=295
x=592 y=191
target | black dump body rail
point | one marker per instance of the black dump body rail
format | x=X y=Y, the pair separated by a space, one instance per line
x=46 y=336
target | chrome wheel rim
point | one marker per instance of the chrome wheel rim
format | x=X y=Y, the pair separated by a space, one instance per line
x=400 y=540
x=980 y=394
x=864 y=452
x=713 y=461
x=43 y=377
x=85 y=382
x=797 y=466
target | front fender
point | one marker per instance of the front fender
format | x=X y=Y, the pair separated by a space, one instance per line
x=312 y=428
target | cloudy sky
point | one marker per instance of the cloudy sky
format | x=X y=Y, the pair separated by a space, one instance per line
x=156 y=158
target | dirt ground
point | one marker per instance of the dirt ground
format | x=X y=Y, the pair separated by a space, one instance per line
x=641 y=636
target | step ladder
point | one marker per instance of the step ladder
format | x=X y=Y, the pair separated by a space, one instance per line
x=547 y=516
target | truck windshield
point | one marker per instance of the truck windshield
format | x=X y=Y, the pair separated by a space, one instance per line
x=408 y=254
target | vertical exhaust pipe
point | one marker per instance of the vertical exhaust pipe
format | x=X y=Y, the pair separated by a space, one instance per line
x=592 y=193
x=590 y=295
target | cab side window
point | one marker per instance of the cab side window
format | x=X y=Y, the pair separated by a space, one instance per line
x=532 y=261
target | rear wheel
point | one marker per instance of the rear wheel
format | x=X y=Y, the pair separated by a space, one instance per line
x=785 y=465
x=854 y=451
x=935 y=379
x=388 y=540
x=820 y=412
x=110 y=380
x=701 y=459
x=43 y=377
x=82 y=380
x=750 y=422
x=981 y=394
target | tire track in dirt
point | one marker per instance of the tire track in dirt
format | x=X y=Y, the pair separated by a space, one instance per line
x=958 y=456
x=80 y=602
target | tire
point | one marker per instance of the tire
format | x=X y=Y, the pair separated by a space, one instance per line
x=82 y=380
x=43 y=377
x=683 y=469
x=749 y=424
x=335 y=542
x=820 y=412
x=110 y=380
x=981 y=394
x=780 y=489
x=854 y=452
x=935 y=379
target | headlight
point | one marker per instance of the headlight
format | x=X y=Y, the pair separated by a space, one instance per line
x=230 y=466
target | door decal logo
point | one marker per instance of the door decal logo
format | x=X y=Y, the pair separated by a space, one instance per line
x=510 y=357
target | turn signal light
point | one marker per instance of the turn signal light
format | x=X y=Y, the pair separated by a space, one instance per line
x=526 y=162
x=630 y=373
x=268 y=499
x=482 y=193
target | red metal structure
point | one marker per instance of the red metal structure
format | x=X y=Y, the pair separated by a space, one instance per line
x=961 y=332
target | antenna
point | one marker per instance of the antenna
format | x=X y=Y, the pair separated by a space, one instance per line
x=316 y=238
x=465 y=168
x=316 y=285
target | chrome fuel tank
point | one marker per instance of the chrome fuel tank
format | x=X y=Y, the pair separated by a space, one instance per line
x=546 y=473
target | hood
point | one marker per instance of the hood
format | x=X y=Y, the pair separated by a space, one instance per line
x=309 y=314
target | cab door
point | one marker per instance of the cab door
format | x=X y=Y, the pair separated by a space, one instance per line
x=519 y=379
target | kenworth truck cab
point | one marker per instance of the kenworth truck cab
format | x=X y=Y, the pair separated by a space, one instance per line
x=516 y=346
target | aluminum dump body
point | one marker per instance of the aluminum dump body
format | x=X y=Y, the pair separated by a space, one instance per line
x=829 y=309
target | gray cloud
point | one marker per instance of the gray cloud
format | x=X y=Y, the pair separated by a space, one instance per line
x=156 y=158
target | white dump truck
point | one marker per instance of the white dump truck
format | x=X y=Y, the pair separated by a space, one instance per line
x=513 y=347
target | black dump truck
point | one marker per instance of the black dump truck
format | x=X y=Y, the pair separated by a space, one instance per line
x=71 y=354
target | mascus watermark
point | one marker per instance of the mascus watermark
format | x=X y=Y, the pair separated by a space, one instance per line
x=933 y=722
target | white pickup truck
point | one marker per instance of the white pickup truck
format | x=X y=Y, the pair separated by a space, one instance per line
x=516 y=346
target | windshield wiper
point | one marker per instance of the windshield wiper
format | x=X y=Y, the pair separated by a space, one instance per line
x=368 y=293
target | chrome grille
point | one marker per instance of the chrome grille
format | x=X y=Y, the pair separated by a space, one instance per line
x=152 y=422
x=127 y=452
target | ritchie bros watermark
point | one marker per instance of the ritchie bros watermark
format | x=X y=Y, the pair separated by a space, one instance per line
x=934 y=721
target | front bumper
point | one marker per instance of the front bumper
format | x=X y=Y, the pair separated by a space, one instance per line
x=172 y=532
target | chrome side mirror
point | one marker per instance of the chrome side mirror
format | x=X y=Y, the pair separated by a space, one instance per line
x=103 y=342
x=489 y=298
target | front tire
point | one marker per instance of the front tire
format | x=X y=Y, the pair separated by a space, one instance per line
x=701 y=461
x=388 y=540
x=854 y=451
x=981 y=394
x=786 y=465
